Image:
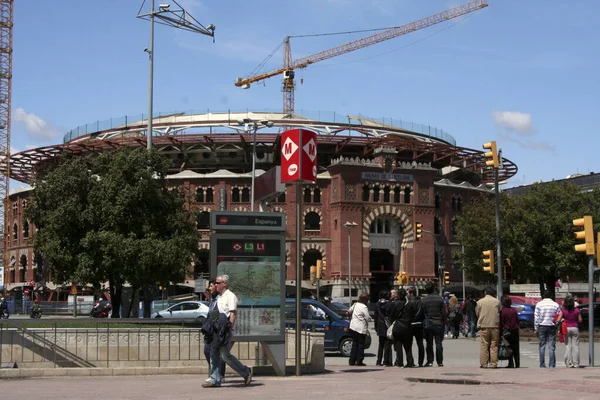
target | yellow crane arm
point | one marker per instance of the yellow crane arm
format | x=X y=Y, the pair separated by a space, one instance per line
x=391 y=33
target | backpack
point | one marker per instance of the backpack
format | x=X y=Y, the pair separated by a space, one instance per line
x=453 y=314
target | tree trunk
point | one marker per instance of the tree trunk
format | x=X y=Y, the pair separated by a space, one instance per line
x=542 y=287
x=133 y=292
x=550 y=284
x=116 y=292
x=147 y=302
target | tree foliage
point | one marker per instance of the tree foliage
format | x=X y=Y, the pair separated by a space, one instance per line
x=112 y=218
x=536 y=230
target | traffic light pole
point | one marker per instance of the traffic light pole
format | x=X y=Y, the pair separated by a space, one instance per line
x=591 y=305
x=498 y=240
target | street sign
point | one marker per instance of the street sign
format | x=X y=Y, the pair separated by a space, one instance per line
x=299 y=160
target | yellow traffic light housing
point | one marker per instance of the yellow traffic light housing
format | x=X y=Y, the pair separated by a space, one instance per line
x=313 y=273
x=418 y=231
x=492 y=155
x=320 y=269
x=488 y=261
x=507 y=269
x=587 y=234
x=446 y=278
x=402 y=278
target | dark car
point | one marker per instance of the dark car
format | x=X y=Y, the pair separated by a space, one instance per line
x=319 y=318
x=525 y=314
x=585 y=315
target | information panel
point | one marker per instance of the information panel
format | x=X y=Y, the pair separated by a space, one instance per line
x=255 y=265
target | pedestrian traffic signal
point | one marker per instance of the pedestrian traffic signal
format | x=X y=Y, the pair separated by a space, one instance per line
x=418 y=231
x=320 y=269
x=507 y=269
x=492 y=155
x=587 y=234
x=488 y=261
x=313 y=273
x=446 y=278
x=402 y=278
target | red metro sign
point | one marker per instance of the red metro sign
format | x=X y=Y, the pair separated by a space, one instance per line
x=299 y=156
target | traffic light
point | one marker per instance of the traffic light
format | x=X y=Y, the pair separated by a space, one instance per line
x=446 y=278
x=320 y=269
x=586 y=234
x=488 y=261
x=418 y=231
x=507 y=269
x=313 y=273
x=402 y=278
x=492 y=155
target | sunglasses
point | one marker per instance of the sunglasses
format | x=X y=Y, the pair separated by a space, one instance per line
x=216 y=283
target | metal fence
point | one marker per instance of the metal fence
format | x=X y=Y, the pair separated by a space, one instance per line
x=81 y=342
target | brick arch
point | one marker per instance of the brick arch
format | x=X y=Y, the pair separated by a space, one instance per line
x=314 y=246
x=241 y=208
x=205 y=208
x=278 y=209
x=312 y=209
x=403 y=219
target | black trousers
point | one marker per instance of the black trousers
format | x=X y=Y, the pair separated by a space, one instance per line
x=435 y=332
x=357 y=355
x=418 y=334
x=404 y=341
x=384 y=351
x=513 y=341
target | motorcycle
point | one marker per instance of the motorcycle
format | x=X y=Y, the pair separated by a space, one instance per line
x=36 y=314
x=4 y=313
x=100 y=312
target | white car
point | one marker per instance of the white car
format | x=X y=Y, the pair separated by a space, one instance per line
x=185 y=309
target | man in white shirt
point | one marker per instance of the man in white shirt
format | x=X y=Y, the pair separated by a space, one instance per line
x=227 y=308
x=546 y=313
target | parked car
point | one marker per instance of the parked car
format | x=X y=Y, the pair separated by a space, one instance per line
x=585 y=315
x=340 y=309
x=525 y=314
x=319 y=318
x=185 y=309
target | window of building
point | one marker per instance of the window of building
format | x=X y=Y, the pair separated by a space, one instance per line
x=381 y=226
x=15 y=231
x=386 y=194
x=203 y=220
x=459 y=204
x=437 y=226
x=245 y=195
x=307 y=196
x=376 y=194
x=454 y=226
x=281 y=198
x=397 y=192
x=317 y=195
x=365 y=193
x=407 y=192
x=236 y=195
x=23 y=263
x=312 y=221
x=453 y=203
x=25 y=228
x=438 y=201
x=205 y=195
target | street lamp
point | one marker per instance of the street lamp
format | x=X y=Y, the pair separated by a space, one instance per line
x=176 y=18
x=247 y=122
x=349 y=225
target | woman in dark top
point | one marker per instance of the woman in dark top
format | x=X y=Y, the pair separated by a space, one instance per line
x=510 y=323
x=384 y=352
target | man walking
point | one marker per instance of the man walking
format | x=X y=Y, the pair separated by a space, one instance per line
x=470 y=315
x=206 y=330
x=433 y=327
x=417 y=323
x=488 y=318
x=222 y=325
x=546 y=312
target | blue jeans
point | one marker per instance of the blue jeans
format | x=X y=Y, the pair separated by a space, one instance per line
x=471 y=321
x=220 y=352
x=547 y=335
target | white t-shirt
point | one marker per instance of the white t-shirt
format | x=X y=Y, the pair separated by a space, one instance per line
x=227 y=302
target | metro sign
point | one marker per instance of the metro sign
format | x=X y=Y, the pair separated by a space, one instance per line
x=299 y=166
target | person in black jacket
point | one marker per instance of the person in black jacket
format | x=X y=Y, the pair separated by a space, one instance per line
x=402 y=315
x=433 y=324
x=417 y=323
x=384 y=352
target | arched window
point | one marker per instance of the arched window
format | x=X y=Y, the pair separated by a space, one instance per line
x=386 y=194
x=454 y=203
x=312 y=221
x=437 y=226
x=23 y=263
x=365 y=193
x=317 y=196
x=209 y=196
x=15 y=231
x=397 y=192
x=245 y=195
x=307 y=196
x=203 y=221
x=200 y=195
x=459 y=204
x=236 y=195
x=438 y=201
x=25 y=228
x=376 y=194
x=407 y=192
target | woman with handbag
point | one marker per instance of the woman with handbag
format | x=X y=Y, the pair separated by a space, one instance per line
x=359 y=327
x=571 y=320
x=509 y=329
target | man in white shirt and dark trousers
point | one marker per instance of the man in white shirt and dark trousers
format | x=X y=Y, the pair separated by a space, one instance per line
x=547 y=312
x=223 y=323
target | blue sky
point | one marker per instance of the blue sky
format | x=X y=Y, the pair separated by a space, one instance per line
x=521 y=72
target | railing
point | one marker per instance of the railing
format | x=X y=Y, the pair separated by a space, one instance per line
x=321 y=116
x=82 y=342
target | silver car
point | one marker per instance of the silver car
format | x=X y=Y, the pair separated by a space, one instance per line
x=185 y=309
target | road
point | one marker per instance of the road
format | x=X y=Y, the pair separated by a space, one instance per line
x=464 y=352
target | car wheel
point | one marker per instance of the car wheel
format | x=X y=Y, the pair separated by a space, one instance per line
x=523 y=324
x=158 y=316
x=346 y=346
x=201 y=320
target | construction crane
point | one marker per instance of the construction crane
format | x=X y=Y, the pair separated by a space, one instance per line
x=6 y=47
x=289 y=66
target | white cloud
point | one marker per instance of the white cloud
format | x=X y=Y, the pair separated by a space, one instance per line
x=514 y=121
x=35 y=127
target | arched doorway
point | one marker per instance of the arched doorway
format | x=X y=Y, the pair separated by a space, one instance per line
x=385 y=237
x=309 y=259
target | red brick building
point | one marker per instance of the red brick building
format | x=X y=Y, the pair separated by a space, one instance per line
x=382 y=176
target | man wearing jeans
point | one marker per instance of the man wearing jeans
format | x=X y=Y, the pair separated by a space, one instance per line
x=546 y=312
x=227 y=309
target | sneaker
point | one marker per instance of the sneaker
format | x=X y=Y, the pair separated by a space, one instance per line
x=207 y=380
x=248 y=378
x=428 y=365
x=210 y=385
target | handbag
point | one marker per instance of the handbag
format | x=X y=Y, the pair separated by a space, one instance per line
x=390 y=331
x=504 y=351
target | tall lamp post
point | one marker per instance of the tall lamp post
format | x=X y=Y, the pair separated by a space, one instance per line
x=256 y=126
x=177 y=18
x=349 y=225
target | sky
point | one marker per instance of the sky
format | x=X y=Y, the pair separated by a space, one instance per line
x=521 y=72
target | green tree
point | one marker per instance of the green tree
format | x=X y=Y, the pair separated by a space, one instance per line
x=112 y=218
x=536 y=232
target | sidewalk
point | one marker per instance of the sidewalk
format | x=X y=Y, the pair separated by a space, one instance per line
x=340 y=383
